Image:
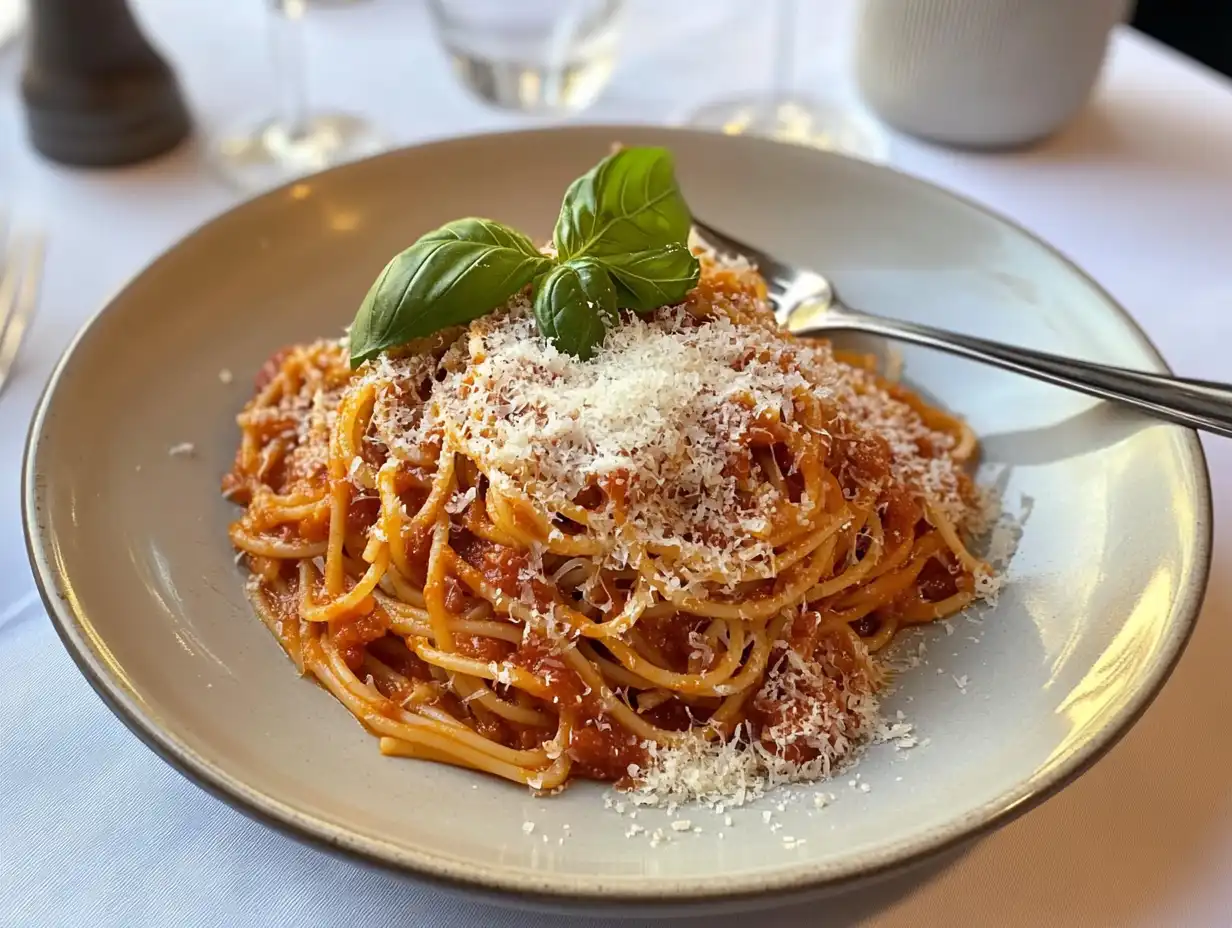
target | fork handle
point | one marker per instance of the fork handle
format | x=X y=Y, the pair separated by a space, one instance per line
x=1197 y=404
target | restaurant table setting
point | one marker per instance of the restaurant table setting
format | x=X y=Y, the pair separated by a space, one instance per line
x=1134 y=185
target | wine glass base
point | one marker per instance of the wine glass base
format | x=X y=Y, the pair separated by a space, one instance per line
x=267 y=154
x=800 y=120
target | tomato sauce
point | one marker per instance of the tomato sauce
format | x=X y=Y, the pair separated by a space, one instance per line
x=352 y=636
x=602 y=750
x=500 y=566
x=675 y=715
x=668 y=637
x=936 y=583
x=393 y=652
x=362 y=514
x=482 y=648
x=902 y=513
x=235 y=486
x=867 y=459
x=777 y=713
x=867 y=626
x=599 y=747
x=457 y=596
x=269 y=370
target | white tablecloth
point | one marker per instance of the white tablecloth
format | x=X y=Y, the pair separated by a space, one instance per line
x=94 y=830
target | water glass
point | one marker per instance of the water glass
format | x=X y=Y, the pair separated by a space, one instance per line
x=534 y=56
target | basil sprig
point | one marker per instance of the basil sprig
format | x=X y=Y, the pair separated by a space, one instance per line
x=626 y=203
x=646 y=280
x=455 y=274
x=575 y=305
x=621 y=241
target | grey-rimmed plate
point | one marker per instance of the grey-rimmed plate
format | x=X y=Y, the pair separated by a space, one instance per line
x=128 y=542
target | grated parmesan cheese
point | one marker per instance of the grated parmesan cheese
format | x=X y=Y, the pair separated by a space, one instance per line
x=661 y=413
x=460 y=501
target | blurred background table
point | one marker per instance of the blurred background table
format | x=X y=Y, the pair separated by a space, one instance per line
x=95 y=830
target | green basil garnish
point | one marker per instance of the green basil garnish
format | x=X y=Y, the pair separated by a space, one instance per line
x=575 y=305
x=646 y=280
x=460 y=272
x=621 y=240
x=628 y=202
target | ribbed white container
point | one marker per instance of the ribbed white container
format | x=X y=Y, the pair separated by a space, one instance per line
x=981 y=73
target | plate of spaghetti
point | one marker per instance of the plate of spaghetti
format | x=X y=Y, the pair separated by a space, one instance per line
x=545 y=563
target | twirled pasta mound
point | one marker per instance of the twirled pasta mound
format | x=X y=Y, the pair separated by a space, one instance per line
x=502 y=557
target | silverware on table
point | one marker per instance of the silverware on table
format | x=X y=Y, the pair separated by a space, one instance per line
x=807 y=305
x=21 y=264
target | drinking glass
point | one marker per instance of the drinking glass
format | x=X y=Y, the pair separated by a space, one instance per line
x=296 y=139
x=785 y=113
x=534 y=56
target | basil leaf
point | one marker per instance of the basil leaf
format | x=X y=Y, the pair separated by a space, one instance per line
x=473 y=229
x=628 y=202
x=575 y=305
x=452 y=275
x=656 y=277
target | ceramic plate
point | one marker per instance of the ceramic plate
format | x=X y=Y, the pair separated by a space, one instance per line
x=129 y=543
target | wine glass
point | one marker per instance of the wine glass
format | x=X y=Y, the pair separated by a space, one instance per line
x=785 y=113
x=296 y=139
x=533 y=56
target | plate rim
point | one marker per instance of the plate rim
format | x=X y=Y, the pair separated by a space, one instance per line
x=539 y=890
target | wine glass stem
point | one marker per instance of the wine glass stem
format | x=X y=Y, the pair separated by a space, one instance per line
x=287 y=40
x=783 y=53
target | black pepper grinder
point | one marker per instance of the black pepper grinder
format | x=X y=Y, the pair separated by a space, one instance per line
x=95 y=91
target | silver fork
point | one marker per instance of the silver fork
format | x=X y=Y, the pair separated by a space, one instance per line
x=21 y=263
x=807 y=304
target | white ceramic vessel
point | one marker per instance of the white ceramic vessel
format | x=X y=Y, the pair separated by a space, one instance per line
x=981 y=73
